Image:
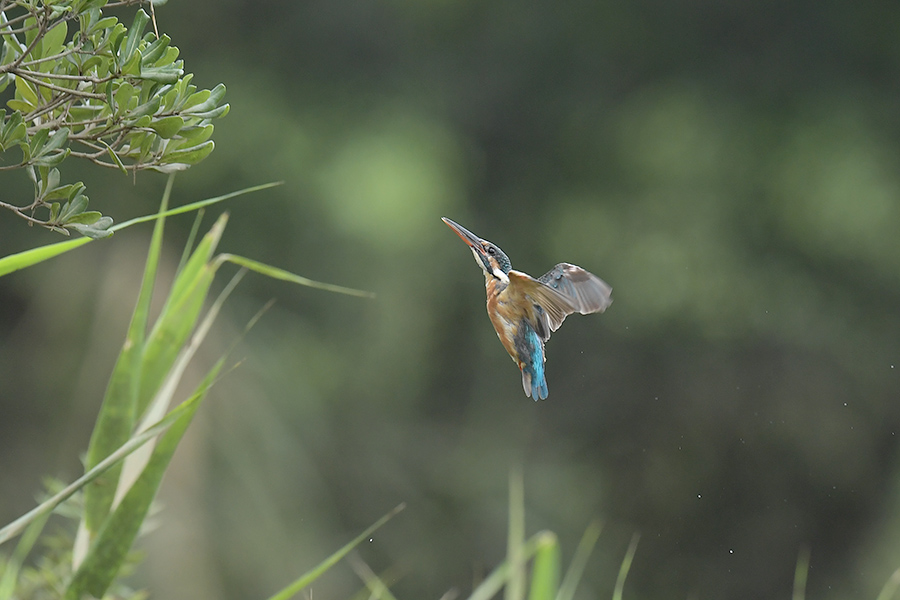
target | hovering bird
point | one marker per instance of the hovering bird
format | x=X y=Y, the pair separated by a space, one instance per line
x=525 y=310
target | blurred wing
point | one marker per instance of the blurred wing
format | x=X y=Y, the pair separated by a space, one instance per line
x=552 y=307
x=585 y=292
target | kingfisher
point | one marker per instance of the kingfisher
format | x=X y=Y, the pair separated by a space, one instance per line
x=525 y=310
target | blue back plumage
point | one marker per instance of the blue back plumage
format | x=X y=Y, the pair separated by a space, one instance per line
x=531 y=353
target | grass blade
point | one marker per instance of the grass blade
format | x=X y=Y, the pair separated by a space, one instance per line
x=11 y=573
x=119 y=530
x=801 y=571
x=626 y=566
x=374 y=583
x=16 y=527
x=117 y=416
x=178 y=317
x=489 y=587
x=276 y=273
x=189 y=244
x=133 y=466
x=890 y=586
x=194 y=205
x=515 y=588
x=545 y=569
x=27 y=258
x=310 y=576
x=579 y=561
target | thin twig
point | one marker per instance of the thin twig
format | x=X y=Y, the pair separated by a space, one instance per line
x=74 y=92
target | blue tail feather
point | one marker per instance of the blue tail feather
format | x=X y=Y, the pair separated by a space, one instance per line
x=532 y=357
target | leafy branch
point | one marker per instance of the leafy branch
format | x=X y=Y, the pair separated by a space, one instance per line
x=106 y=93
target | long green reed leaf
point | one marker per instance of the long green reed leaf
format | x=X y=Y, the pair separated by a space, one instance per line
x=579 y=561
x=625 y=567
x=310 y=576
x=276 y=273
x=119 y=530
x=118 y=413
x=27 y=258
x=16 y=527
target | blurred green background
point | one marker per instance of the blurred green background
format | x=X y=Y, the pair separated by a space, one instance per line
x=731 y=169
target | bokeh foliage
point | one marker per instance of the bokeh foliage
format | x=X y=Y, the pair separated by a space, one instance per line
x=730 y=169
x=104 y=92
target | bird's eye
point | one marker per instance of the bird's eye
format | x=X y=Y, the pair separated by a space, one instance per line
x=491 y=250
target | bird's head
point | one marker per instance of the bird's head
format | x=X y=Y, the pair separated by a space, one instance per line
x=489 y=257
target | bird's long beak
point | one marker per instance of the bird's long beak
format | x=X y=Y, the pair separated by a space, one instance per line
x=467 y=236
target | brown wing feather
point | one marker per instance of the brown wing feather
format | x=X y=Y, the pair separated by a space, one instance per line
x=554 y=305
x=586 y=292
x=563 y=290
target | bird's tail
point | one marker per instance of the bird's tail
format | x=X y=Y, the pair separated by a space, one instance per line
x=534 y=382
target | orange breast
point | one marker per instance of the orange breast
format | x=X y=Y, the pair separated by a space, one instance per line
x=505 y=317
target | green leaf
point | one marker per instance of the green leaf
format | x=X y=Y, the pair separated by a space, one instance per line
x=19 y=105
x=166 y=74
x=134 y=37
x=96 y=231
x=12 y=130
x=545 y=569
x=89 y=217
x=28 y=258
x=501 y=574
x=145 y=109
x=118 y=413
x=155 y=50
x=15 y=561
x=516 y=585
x=189 y=156
x=114 y=158
x=63 y=191
x=75 y=206
x=625 y=567
x=178 y=316
x=310 y=576
x=214 y=113
x=100 y=24
x=51 y=182
x=31 y=30
x=801 y=573
x=51 y=160
x=56 y=141
x=13 y=529
x=132 y=68
x=193 y=136
x=276 y=273
x=26 y=93
x=167 y=127
x=890 y=586
x=45 y=148
x=579 y=561
x=119 y=530
x=54 y=39
x=205 y=100
x=123 y=95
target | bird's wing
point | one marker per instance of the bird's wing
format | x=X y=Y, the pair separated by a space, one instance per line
x=552 y=307
x=586 y=292
x=564 y=290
